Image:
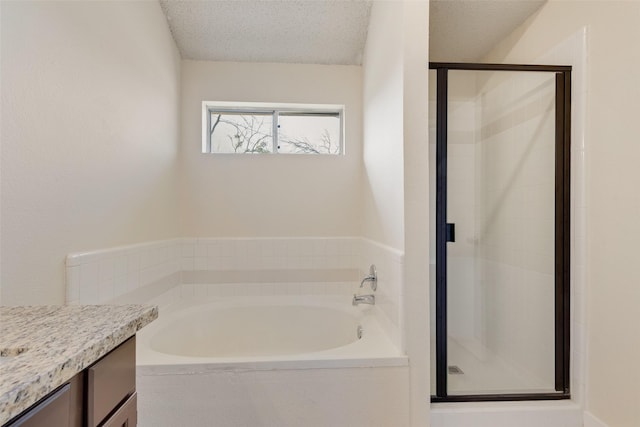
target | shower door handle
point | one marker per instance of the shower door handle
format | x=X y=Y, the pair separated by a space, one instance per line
x=451 y=232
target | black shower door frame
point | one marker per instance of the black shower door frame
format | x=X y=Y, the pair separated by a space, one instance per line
x=562 y=231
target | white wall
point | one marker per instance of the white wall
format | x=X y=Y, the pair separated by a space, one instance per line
x=270 y=195
x=396 y=206
x=89 y=136
x=383 y=203
x=612 y=201
x=415 y=27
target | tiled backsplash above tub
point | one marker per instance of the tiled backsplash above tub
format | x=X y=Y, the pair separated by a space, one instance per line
x=97 y=277
x=270 y=254
x=149 y=269
x=389 y=295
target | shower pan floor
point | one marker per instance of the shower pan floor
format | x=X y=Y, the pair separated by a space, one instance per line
x=488 y=374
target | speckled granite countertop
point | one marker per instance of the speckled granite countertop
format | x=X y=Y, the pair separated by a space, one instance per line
x=43 y=347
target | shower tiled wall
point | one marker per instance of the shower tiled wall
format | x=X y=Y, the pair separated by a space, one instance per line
x=512 y=272
x=515 y=222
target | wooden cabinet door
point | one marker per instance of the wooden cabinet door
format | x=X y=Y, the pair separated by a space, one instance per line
x=126 y=416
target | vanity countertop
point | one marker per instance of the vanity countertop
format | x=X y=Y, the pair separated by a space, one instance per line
x=42 y=347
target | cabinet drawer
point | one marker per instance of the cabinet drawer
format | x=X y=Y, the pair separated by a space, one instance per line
x=52 y=411
x=126 y=416
x=110 y=381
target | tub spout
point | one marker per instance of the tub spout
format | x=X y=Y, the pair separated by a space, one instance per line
x=363 y=299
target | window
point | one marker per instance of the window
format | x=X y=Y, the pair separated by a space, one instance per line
x=250 y=128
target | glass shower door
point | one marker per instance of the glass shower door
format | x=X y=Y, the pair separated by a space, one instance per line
x=498 y=209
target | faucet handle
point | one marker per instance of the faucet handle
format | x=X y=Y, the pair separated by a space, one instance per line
x=372 y=278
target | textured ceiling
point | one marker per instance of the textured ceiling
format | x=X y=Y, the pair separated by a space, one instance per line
x=309 y=31
x=330 y=31
x=466 y=30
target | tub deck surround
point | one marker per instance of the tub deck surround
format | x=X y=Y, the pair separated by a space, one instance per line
x=42 y=347
x=272 y=360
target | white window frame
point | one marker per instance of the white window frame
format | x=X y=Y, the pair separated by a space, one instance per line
x=275 y=109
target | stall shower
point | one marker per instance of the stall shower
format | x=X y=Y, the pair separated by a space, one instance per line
x=500 y=199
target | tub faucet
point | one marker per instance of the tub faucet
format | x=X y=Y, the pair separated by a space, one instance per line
x=363 y=299
x=372 y=278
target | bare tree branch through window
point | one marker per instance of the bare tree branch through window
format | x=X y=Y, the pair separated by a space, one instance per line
x=275 y=131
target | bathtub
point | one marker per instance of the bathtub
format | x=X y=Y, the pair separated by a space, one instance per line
x=270 y=361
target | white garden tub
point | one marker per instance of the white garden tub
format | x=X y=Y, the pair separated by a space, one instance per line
x=266 y=332
x=269 y=360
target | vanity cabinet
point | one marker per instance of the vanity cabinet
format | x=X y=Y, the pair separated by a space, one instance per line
x=102 y=395
x=111 y=383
